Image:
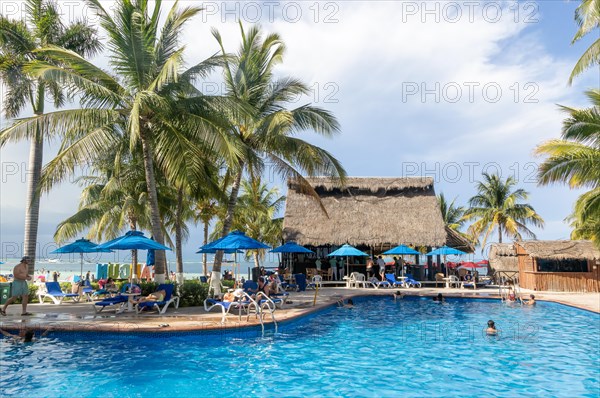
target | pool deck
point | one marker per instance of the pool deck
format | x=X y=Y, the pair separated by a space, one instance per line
x=81 y=317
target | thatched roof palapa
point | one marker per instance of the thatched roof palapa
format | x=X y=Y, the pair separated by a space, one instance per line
x=503 y=257
x=369 y=211
x=561 y=249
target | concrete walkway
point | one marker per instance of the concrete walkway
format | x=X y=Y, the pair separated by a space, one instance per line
x=81 y=317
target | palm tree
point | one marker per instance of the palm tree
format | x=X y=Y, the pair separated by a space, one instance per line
x=587 y=17
x=574 y=160
x=19 y=41
x=451 y=214
x=496 y=207
x=255 y=214
x=149 y=100
x=268 y=127
x=111 y=202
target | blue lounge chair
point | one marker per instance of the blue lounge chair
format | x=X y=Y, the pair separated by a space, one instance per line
x=301 y=282
x=377 y=283
x=410 y=281
x=117 y=302
x=160 y=306
x=250 y=287
x=391 y=278
x=55 y=293
x=285 y=285
x=243 y=303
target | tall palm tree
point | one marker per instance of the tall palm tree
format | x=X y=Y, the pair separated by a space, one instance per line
x=113 y=200
x=255 y=214
x=575 y=160
x=268 y=128
x=19 y=41
x=587 y=17
x=451 y=213
x=150 y=100
x=496 y=207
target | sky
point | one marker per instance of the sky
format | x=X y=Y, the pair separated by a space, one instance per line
x=438 y=88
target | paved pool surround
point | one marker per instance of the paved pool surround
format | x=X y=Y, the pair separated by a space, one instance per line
x=81 y=317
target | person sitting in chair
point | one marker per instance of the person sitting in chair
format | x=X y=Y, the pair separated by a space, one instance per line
x=156 y=296
x=229 y=296
x=263 y=286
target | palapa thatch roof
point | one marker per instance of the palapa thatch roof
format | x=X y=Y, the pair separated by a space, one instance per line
x=456 y=240
x=561 y=249
x=370 y=211
x=503 y=257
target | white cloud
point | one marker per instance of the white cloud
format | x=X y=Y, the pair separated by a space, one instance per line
x=373 y=54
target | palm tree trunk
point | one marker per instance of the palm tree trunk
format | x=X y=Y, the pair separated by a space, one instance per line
x=178 y=225
x=32 y=206
x=159 y=256
x=499 y=233
x=235 y=189
x=256 y=262
x=204 y=257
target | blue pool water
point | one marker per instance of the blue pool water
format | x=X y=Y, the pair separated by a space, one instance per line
x=378 y=348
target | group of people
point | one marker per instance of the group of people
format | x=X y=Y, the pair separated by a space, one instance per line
x=378 y=267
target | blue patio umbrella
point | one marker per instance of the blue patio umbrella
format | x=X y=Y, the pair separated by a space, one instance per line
x=291 y=247
x=237 y=240
x=401 y=251
x=81 y=246
x=213 y=251
x=347 y=251
x=133 y=240
x=444 y=251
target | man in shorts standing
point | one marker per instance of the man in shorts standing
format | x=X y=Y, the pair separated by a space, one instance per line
x=19 y=287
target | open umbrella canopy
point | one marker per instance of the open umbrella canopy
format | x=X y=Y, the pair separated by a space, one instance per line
x=401 y=250
x=348 y=250
x=81 y=246
x=237 y=240
x=471 y=265
x=291 y=247
x=213 y=251
x=133 y=240
x=445 y=250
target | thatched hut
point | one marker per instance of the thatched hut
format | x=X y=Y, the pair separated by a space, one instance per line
x=503 y=261
x=560 y=265
x=377 y=213
x=367 y=211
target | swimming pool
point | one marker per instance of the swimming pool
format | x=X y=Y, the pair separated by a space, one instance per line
x=413 y=347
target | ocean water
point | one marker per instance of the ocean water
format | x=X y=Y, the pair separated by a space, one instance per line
x=380 y=348
x=69 y=267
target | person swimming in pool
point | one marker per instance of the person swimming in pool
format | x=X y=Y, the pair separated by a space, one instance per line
x=491 y=328
x=24 y=336
x=531 y=300
x=439 y=298
x=349 y=303
x=398 y=295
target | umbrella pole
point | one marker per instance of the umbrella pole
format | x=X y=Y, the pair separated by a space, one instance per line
x=347 y=267
x=81 y=267
x=445 y=265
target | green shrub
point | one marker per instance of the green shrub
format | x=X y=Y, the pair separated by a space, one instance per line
x=192 y=293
